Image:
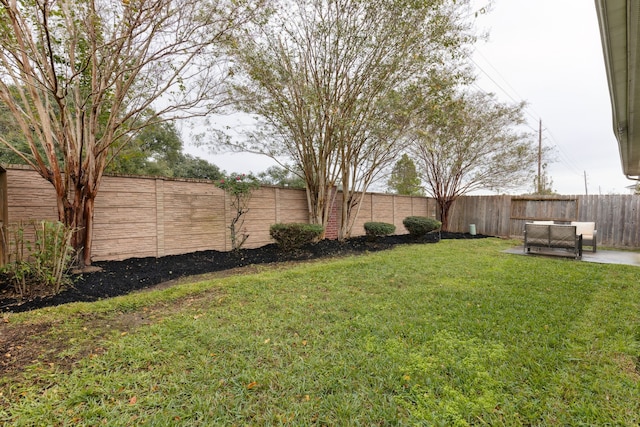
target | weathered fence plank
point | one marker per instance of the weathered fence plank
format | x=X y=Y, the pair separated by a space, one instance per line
x=617 y=217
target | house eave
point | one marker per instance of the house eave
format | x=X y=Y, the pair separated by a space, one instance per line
x=619 y=30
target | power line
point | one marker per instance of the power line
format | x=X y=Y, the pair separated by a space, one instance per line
x=567 y=159
x=529 y=110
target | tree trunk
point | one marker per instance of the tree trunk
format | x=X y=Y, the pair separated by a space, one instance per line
x=77 y=214
x=445 y=206
x=80 y=219
x=344 y=231
x=88 y=211
x=319 y=203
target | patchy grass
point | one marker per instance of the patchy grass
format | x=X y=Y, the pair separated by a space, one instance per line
x=454 y=333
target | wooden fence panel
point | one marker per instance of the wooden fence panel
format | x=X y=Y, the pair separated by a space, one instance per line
x=138 y=216
x=550 y=208
x=588 y=208
x=617 y=217
x=490 y=214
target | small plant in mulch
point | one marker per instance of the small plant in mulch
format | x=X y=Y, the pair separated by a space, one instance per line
x=239 y=188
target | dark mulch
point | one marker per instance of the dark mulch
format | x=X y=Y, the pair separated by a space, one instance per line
x=122 y=277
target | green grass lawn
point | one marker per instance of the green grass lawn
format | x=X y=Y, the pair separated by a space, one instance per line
x=453 y=333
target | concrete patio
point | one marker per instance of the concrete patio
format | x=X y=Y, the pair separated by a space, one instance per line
x=601 y=256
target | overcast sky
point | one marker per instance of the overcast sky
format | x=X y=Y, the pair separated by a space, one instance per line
x=549 y=54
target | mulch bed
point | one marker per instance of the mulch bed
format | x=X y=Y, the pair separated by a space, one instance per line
x=122 y=277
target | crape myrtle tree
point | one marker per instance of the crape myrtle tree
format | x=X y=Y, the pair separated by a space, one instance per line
x=325 y=78
x=79 y=77
x=465 y=141
x=364 y=155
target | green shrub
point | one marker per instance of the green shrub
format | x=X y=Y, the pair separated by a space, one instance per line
x=376 y=229
x=295 y=235
x=418 y=226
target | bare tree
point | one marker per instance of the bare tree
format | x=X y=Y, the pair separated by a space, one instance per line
x=471 y=142
x=323 y=78
x=80 y=76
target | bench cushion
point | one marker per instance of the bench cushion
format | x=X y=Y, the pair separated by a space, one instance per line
x=585 y=228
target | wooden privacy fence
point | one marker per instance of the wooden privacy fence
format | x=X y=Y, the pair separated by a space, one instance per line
x=617 y=217
x=153 y=217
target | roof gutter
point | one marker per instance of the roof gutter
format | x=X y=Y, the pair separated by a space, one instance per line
x=619 y=22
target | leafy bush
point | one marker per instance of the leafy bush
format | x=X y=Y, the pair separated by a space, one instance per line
x=418 y=226
x=45 y=262
x=376 y=229
x=294 y=235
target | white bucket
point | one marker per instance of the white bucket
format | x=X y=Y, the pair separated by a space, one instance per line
x=472 y=229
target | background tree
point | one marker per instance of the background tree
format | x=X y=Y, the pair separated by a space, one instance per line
x=158 y=151
x=404 y=178
x=471 y=142
x=152 y=152
x=323 y=78
x=79 y=77
x=188 y=166
x=11 y=132
x=543 y=185
x=281 y=176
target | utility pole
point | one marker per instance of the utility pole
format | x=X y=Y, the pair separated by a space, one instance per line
x=540 y=158
x=586 y=192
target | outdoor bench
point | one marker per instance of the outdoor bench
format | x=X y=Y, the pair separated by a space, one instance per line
x=549 y=237
x=588 y=232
